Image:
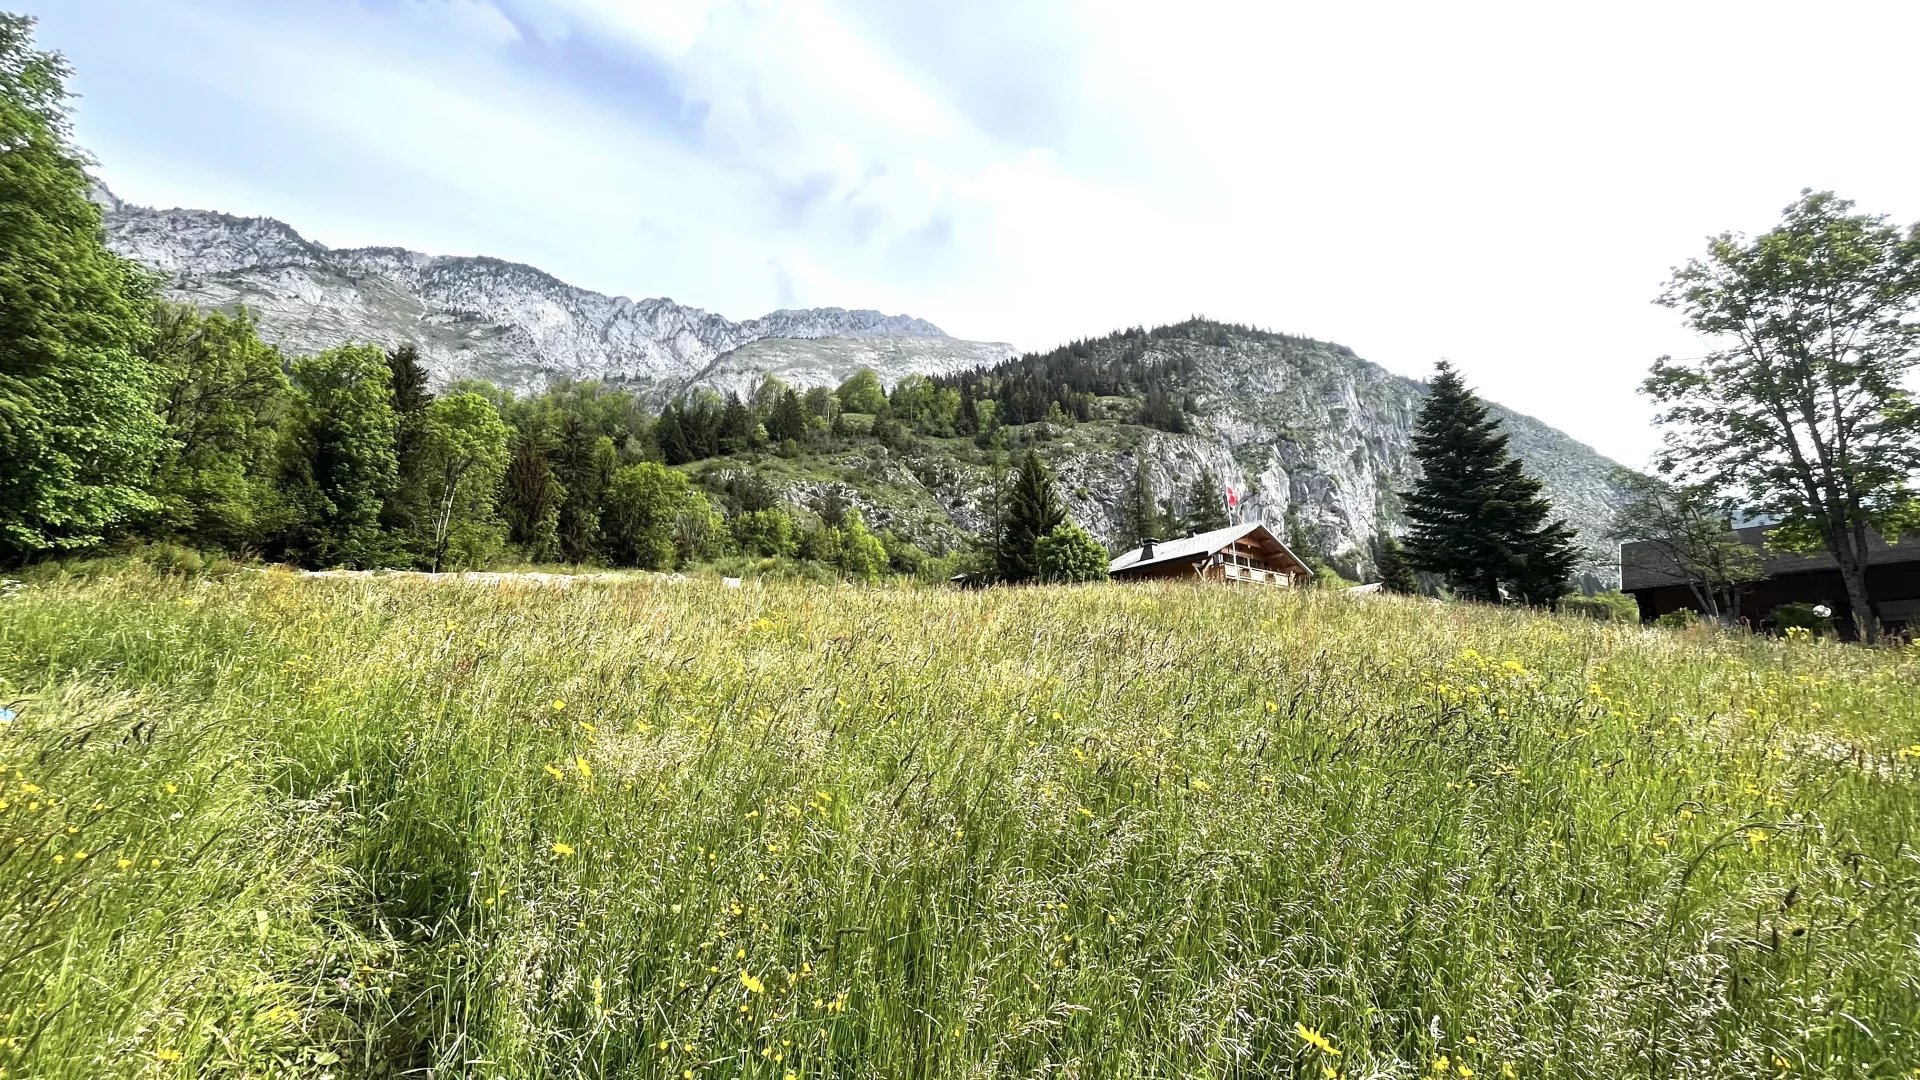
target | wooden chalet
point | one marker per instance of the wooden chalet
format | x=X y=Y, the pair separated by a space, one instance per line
x=1247 y=554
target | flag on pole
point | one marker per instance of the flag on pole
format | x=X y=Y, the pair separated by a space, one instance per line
x=1233 y=498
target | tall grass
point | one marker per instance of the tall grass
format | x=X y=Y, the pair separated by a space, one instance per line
x=273 y=826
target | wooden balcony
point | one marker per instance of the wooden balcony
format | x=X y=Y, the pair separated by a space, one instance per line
x=1250 y=575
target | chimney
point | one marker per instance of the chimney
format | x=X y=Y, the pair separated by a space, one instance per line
x=1146 y=549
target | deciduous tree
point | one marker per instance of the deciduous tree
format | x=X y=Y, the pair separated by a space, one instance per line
x=1684 y=530
x=463 y=453
x=1070 y=554
x=222 y=397
x=341 y=466
x=1803 y=407
x=78 y=432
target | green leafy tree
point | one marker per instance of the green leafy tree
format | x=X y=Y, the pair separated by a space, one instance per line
x=463 y=454
x=1070 y=553
x=222 y=396
x=768 y=532
x=1206 y=507
x=912 y=401
x=341 y=466
x=1686 y=531
x=1396 y=574
x=1476 y=518
x=862 y=393
x=645 y=507
x=857 y=552
x=78 y=432
x=1031 y=511
x=1805 y=407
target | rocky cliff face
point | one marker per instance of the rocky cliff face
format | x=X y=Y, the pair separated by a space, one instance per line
x=512 y=324
x=1308 y=430
x=1304 y=429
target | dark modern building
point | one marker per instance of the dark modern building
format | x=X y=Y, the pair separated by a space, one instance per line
x=1893 y=580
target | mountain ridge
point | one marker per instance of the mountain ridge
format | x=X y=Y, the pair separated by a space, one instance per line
x=474 y=315
x=1317 y=437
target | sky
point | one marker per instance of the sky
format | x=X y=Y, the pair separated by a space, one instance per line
x=1504 y=185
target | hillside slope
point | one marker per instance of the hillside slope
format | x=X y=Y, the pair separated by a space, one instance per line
x=1304 y=428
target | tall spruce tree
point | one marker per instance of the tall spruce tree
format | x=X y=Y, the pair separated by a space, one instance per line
x=1032 y=510
x=583 y=464
x=408 y=508
x=1142 y=516
x=1396 y=574
x=1477 y=519
x=78 y=432
x=1206 y=503
x=531 y=495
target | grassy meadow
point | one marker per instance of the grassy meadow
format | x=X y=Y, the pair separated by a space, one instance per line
x=277 y=826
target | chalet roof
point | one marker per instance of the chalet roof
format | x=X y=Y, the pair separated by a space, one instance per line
x=1647 y=565
x=1197 y=546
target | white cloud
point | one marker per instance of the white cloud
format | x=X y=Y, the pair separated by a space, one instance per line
x=1501 y=183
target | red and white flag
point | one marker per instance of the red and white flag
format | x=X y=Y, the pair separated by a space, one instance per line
x=1233 y=498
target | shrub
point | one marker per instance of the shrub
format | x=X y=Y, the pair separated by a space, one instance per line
x=766 y=532
x=1798 y=616
x=857 y=552
x=1326 y=577
x=173 y=560
x=1678 y=620
x=1070 y=553
x=1611 y=606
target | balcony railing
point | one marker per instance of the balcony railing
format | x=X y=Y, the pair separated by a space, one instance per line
x=1253 y=575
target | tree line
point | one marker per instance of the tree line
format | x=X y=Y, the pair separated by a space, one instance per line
x=123 y=417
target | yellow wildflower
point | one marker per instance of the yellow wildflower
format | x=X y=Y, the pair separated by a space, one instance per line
x=562 y=849
x=1313 y=1038
x=586 y=770
x=753 y=985
x=1442 y=1063
x=559 y=704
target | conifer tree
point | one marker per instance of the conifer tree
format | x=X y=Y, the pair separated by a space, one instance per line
x=1206 y=503
x=1032 y=511
x=1396 y=574
x=406 y=509
x=531 y=495
x=583 y=464
x=1477 y=519
x=1142 y=517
